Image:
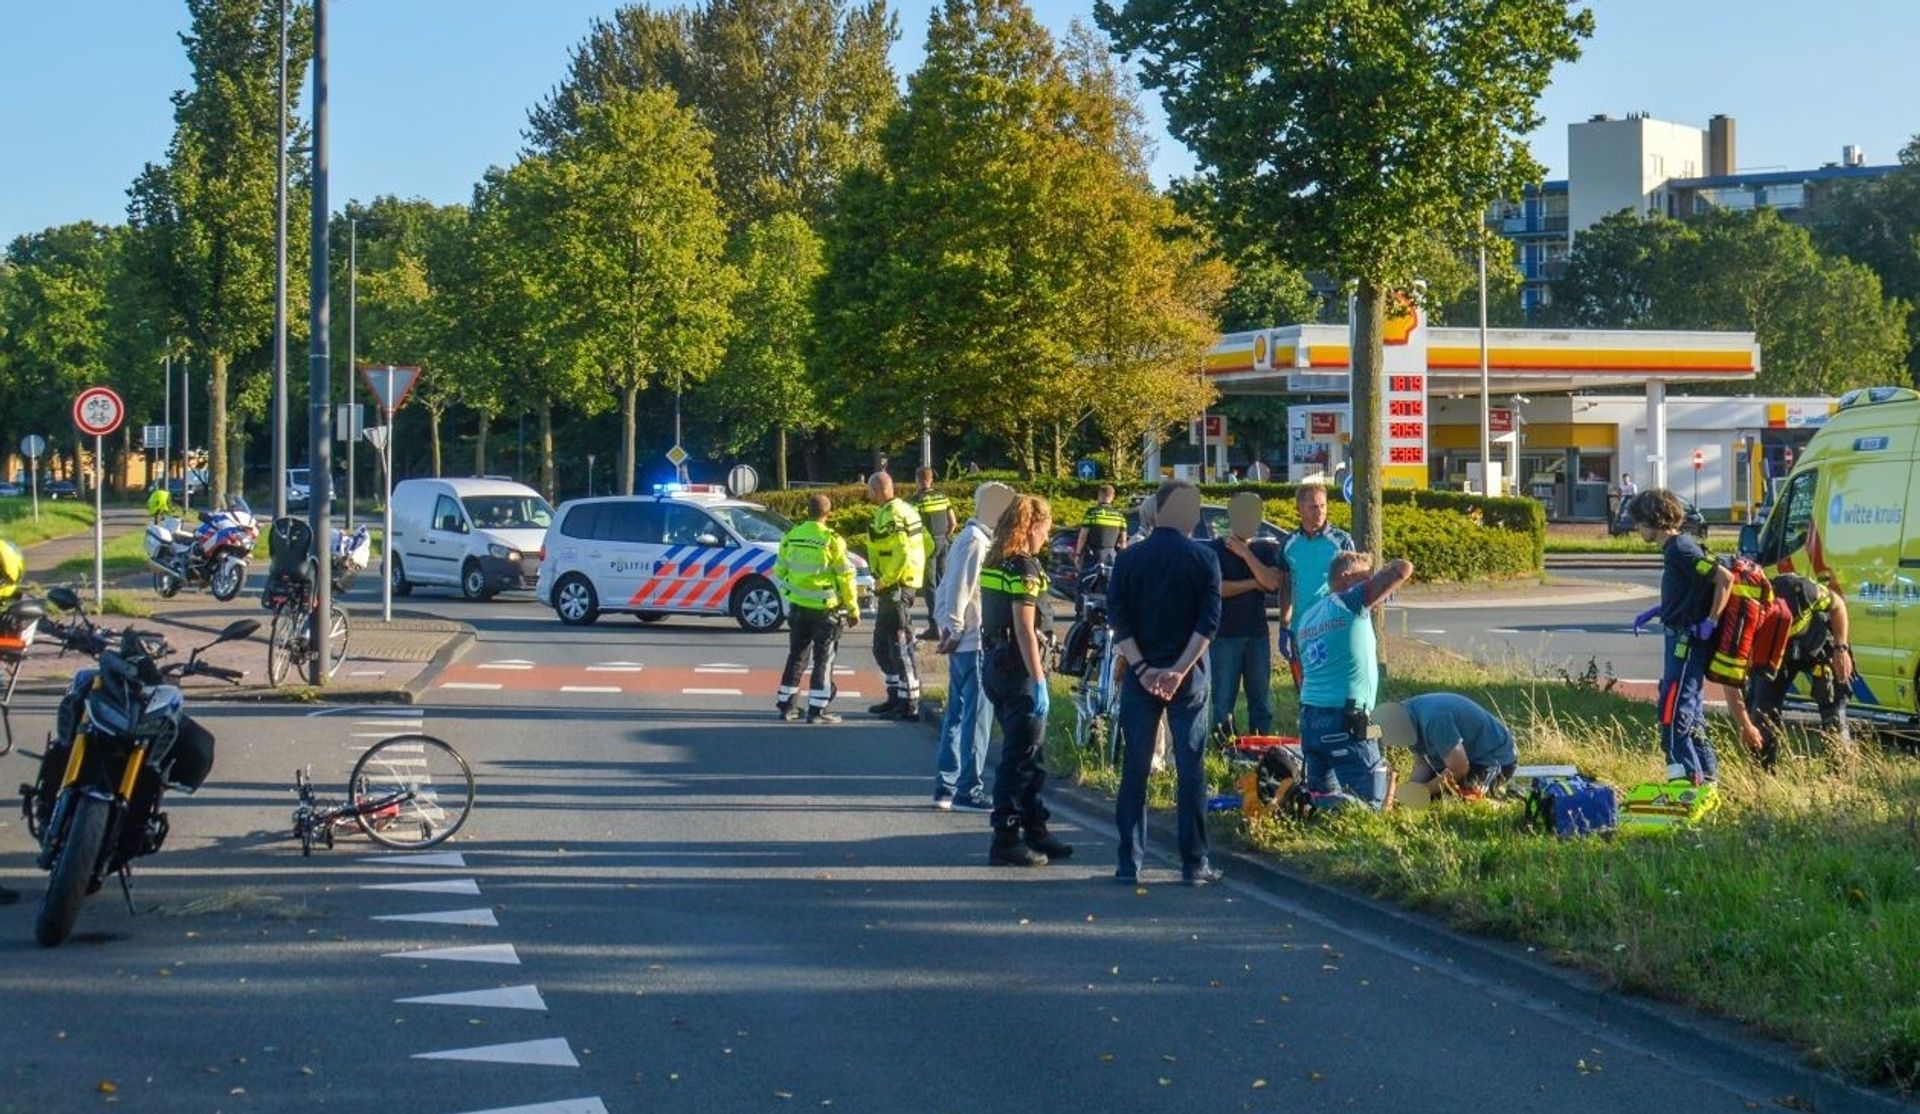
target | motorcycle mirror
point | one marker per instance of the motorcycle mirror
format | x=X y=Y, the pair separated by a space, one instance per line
x=64 y=598
x=239 y=629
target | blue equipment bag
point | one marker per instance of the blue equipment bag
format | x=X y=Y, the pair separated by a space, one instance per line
x=1571 y=806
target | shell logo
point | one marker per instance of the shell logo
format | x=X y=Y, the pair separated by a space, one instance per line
x=1260 y=352
x=1403 y=317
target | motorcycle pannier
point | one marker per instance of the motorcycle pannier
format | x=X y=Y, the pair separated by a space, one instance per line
x=158 y=537
x=187 y=765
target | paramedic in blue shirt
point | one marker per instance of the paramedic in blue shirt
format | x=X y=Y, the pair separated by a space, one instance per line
x=1305 y=557
x=1458 y=746
x=1340 y=664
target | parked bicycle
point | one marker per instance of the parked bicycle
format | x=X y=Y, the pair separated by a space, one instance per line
x=1089 y=659
x=408 y=791
x=289 y=594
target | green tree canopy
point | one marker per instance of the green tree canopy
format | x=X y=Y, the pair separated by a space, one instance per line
x=1878 y=223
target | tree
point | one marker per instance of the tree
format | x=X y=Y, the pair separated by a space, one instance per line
x=54 y=301
x=794 y=91
x=1822 y=321
x=1877 y=223
x=763 y=383
x=641 y=250
x=1347 y=135
x=205 y=219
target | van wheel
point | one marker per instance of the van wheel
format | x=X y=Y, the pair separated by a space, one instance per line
x=574 y=602
x=400 y=585
x=473 y=583
x=757 y=607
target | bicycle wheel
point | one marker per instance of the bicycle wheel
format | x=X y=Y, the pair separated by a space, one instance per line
x=283 y=645
x=338 y=632
x=410 y=791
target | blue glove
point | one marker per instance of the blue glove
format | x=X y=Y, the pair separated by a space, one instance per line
x=1286 y=647
x=1703 y=630
x=1644 y=618
x=1042 y=699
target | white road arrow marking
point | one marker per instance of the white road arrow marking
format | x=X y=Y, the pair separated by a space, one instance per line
x=430 y=858
x=477 y=953
x=564 y=1106
x=473 y=918
x=552 y=1053
x=503 y=998
x=466 y=886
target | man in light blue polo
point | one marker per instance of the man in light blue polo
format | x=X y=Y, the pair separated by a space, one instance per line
x=1340 y=662
x=1305 y=557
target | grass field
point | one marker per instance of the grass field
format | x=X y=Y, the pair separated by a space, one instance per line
x=124 y=555
x=1795 y=908
x=57 y=520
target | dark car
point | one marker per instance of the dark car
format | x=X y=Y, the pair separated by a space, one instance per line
x=1066 y=579
x=61 y=489
x=11 y=491
x=193 y=485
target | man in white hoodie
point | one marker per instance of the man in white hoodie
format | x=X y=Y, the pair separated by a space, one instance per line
x=967 y=723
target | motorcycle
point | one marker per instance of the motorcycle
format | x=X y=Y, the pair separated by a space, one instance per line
x=121 y=738
x=215 y=555
x=1621 y=523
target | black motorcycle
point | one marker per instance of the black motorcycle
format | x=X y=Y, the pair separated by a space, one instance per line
x=1621 y=523
x=122 y=737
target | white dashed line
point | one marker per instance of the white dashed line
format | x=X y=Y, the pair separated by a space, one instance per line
x=851 y=694
x=474 y=686
x=1502 y=630
x=471 y=918
x=554 y=1052
x=590 y=688
x=474 y=953
x=506 y=665
x=503 y=998
x=711 y=692
x=467 y=886
x=721 y=669
x=1429 y=631
x=616 y=667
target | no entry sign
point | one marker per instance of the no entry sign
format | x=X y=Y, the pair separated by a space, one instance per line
x=98 y=411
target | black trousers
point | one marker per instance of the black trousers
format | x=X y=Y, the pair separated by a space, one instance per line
x=893 y=644
x=936 y=568
x=1022 y=774
x=1767 y=702
x=812 y=633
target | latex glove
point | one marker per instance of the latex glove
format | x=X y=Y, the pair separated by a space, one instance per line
x=1703 y=630
x=1644 y=618
x=1042 y=699
x=1286 y=646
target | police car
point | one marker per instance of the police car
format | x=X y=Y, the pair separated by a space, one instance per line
x=687 y=549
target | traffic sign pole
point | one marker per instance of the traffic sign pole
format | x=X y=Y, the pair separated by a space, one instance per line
x=98 y=411
x=99 y=533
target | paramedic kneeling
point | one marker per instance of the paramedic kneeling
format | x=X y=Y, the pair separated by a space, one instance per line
x=1339 y=674
x=1458 y=746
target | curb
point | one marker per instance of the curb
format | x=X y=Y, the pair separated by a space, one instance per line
x=1727 y=1052
x=449 y=650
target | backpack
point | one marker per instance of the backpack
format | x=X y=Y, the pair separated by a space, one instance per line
x=1749 y=607
x=1076 y=653
x=1571 y=806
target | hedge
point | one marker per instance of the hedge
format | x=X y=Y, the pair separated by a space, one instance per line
x=1448 y=535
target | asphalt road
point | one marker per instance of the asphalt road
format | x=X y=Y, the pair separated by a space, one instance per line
x=679 y=904
x=1547 y=639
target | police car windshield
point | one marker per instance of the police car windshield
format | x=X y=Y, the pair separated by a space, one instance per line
x=753 y=524
x=508 y=512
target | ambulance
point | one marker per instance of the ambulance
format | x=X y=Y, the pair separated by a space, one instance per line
x=1849 y=516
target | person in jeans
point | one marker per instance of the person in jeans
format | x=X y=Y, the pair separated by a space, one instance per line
x=1340 y=676
x=1164 y=604
x=1694 y=589
x=967 y=724
x=1241 y=656
x=1458 y=746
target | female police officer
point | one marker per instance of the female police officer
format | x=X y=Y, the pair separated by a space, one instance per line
x=1015 y=622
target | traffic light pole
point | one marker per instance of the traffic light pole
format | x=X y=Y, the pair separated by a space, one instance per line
x=320 y=372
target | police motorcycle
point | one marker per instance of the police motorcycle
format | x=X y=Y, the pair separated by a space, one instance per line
x=121 y=738
x=215 y=555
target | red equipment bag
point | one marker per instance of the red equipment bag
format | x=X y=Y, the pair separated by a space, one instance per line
x=1749 y=612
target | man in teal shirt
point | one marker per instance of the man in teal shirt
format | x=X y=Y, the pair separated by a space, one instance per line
x=1305 y=557
x=1341 y=676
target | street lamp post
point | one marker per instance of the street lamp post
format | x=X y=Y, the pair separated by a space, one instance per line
x=280 y=287
x=186 y=438
x=1486 y=413
x=353 y=351
x=320 y=367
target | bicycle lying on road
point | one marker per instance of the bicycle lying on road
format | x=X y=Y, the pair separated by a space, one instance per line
x=407 y=791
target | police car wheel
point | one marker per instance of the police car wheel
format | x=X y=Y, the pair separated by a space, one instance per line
x=575 y=602
x=756 y=606
x=651 y=616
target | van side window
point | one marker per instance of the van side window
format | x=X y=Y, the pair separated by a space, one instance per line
x=580 y=522
x=447 y=517
x=1789 y=530
x=633 y=523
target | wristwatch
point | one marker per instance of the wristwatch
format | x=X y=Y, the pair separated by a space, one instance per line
x=1842 y=648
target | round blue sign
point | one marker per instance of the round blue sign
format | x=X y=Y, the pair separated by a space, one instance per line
x=1346 y=488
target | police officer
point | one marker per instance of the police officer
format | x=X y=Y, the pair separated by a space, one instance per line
x=817 y=580
x=1457 y=745
x=936 y=513
x=1816 y=646
x=1103 y=532
x=13 y=569
x=897 y=554
x=160 y=503
x=1015 y=624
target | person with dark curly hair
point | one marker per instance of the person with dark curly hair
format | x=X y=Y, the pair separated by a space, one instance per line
x=1694 y=589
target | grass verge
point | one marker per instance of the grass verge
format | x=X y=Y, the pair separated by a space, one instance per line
x=1795 y=908
x=57 y=520
x=124 y=556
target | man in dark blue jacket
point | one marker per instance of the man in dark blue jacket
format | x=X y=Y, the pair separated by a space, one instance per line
x=1164 y=603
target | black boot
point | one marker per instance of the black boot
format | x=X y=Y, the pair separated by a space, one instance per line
x=909 y=711
x=888 y=708
x=1008 y=850
x=7 y=896
x=1046 y=843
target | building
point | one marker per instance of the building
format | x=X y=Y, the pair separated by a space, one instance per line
x=1653 y=167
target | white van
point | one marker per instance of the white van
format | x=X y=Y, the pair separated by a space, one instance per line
x=482 y=536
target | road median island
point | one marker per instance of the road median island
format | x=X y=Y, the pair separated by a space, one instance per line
x=1795 y=908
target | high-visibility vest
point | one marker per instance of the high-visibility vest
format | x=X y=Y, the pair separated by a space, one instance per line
x=897 y=547
x=812 y=569
x=12 y=568
x=933 y=507
x=1105 y=526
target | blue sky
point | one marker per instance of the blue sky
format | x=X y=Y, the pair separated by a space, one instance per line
x=426 y=94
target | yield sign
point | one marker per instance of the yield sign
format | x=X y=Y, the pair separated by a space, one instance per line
x=390 y=385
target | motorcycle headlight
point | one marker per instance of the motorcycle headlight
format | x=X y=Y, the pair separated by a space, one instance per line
x=503 y=553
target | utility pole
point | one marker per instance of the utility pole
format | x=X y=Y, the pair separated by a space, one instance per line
x=1486 y=414
x=280 y=287
x=166 y=448
x=320 y=370
x=186 y=438
x=353 y=351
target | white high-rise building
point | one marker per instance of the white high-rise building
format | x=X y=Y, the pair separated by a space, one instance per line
x=1626 y=164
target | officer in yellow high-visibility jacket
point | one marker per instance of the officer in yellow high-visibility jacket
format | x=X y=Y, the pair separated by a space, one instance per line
x=13 y=569
x=160 y=503
x=936 y=514
x=897 y=555
x=817 y=580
